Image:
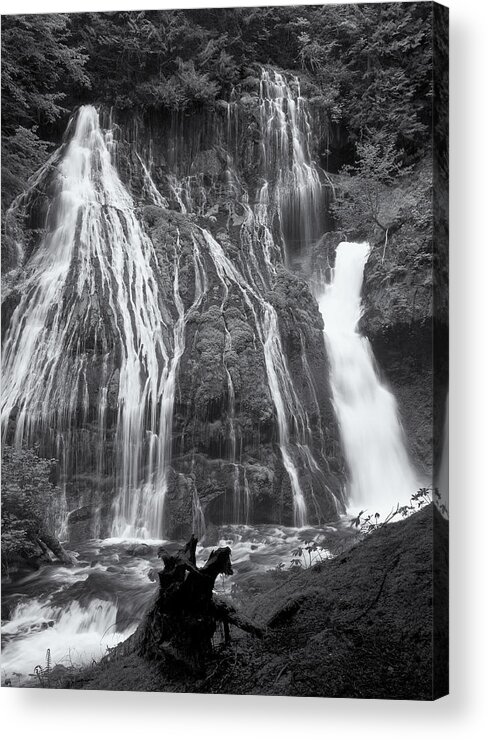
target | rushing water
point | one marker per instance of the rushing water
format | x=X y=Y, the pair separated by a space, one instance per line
x=286 y=159
x=92 y=282
x=93 y=308
x=77 y=613
x=283 y=394
x=374 y=445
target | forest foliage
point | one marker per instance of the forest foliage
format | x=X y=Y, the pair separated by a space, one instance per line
x=28 y=495
x=368 y=67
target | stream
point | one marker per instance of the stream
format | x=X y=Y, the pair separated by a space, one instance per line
x=78 y=613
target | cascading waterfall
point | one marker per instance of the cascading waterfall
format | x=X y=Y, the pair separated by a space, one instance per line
x=280 y=384
x=380 y=471
x=90 y=283
x=93 y=319
x=152 y=502
x=94 y=346
x=286 y=159
x=150 y=189
x=290 y=189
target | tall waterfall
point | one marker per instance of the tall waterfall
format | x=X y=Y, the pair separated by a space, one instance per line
x=280 y=384
x=286 y=158
x=290 y=188
x=380 y=471
x=91 y=283
x=94 y=346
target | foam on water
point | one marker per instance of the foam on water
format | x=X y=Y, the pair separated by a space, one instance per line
x=74 y=634
x=77 y=624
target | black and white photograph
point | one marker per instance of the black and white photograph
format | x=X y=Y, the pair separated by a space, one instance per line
x=225 y=350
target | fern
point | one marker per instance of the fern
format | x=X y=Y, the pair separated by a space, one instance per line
x=43 y=673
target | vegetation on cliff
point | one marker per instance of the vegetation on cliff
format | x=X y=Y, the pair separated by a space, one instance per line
x=366 y=68
x=41 y=65
x=30 y=504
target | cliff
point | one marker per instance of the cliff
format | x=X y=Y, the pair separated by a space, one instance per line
x=198 y=370
x=405 y=299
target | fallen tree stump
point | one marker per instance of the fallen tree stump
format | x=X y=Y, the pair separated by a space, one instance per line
x=226 y=614
x=182 y=621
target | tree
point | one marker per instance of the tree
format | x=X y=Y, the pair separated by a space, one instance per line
x=360 y=203
x=22 y=154
x=375 y=63
x=30 y=501
x=40 y=66
x=368 y=68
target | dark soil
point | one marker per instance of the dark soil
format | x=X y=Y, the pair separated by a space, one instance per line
x=361 y=625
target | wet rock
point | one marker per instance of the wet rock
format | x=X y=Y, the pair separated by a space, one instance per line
x=81 y=524
x=208 y=162
x=10 y=302
x=223 y=354
x=140 y=550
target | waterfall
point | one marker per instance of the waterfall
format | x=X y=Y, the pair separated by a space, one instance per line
x=441 y=476
x=149 y=189
x=146 y=503
x=280 y=384
x=93 y=348
x=277 y=370
x=373 y=441
x=286 y=159
x=91 y=285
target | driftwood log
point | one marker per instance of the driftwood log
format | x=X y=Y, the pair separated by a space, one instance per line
x=182 y=621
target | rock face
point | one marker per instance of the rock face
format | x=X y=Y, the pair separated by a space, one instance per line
x=406 y=315
x=191 y=377
x=249 y=423
x=225 y=438
x=405 y=312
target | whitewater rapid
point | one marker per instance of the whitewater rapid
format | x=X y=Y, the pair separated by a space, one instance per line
x=79 y=613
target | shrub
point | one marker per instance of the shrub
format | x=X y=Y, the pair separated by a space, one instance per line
x=28 y=495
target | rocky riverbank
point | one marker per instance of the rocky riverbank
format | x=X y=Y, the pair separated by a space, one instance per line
x=372 y=624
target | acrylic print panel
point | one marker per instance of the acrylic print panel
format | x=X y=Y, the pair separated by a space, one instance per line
x=225 y=311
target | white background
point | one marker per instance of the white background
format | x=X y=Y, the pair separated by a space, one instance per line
x=71 y=715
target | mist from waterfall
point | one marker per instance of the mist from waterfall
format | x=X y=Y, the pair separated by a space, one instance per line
x=380 y=474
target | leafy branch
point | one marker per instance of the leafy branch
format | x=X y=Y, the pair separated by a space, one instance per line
x=367 y=523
